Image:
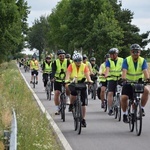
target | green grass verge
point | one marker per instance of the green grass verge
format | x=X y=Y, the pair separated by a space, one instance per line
x=34 y=131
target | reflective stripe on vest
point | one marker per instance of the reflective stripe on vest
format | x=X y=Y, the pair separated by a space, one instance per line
x=132 y=73
x=60 y=66
x=115 y=70
x=80 y=73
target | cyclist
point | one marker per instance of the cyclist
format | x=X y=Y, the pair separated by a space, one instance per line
x=59 y=66
x=79 y=70
x=103 y=80
x=113 y=68
x=85 y=61
x=134 y=67
x=68 y=56
x=47 y=69
x=34 y=67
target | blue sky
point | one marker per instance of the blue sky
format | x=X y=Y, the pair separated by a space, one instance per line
x=140 y=8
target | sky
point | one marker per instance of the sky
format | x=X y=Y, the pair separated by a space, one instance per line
x=140 y=8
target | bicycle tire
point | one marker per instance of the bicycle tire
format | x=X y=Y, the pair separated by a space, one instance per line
x=63 y=105
x=79 y=117
x=118 y=108
x=138 y=119
x=130 y=118
x=34 y=82
x=74 y=113
x=105 y=105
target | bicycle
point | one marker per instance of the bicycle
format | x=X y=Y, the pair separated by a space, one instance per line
x=77 y=106
x=48 y=87
x=62 y=97
x=116 y=105
x=93 y=89
x=134 y=107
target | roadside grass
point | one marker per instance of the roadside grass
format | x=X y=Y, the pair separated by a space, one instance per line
x=34 y=131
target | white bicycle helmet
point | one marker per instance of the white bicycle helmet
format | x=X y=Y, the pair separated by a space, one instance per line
x=77 y=57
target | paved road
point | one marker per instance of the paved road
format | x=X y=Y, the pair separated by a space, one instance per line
x=103 y=132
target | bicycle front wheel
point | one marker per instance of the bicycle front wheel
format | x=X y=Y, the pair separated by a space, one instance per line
x=118 y=108
x=130 y=117
x=34 y=82
x=138 y=119
x=79 y=118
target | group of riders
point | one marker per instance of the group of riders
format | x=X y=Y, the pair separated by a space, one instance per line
x=132 y=68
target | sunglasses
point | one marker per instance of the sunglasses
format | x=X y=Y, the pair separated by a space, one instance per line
x=135 y=52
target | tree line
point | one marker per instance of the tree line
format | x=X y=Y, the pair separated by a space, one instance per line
x=93 y=26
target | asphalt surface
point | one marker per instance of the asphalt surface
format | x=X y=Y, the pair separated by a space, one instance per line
x=103 y=132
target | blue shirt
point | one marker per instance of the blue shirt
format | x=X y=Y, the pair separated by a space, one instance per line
x=125 y=65
x=108 y=63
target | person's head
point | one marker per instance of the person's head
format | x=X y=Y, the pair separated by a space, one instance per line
x=68 y=56
x=113 y=53
x=61 y=54
x=77 y=58
x=135 y=50
x=84 y=58
x=106 y=57
x=33 y=58
x=48 y=58
x=92 y=60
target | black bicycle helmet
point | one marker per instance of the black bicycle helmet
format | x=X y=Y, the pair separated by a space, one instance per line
x=106 y=56
x=77 y=57
x=68 y=56
x=135 y=47
x=61 y=51
x=113 y=51
x=92 y=59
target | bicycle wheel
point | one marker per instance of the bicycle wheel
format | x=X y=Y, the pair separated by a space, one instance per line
x=34 y=82
x=130 y=117
x=63 y=106
x=94 y=92
x=49 y=91
x=138 y=119
x=74 y=113
x=118 y=108
x=105 y=105
x=79 y=118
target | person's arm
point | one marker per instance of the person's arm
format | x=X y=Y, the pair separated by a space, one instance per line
x=86 y=73
x=124 y=69
x=53 y=69
x=145 y=70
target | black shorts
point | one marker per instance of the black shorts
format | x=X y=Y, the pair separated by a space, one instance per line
x=103 y=83
x=34 y=72
x=57 y=86
x=127 y=89
x=111 y=85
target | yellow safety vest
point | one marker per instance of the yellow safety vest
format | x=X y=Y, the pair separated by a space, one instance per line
x=34 y=65
x=132 y=74
x=115 y=70
x=78 y=74
x=48 y=68
x=102 y=78
x=60 y=67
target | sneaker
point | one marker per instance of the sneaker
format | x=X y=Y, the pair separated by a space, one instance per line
x=30 y=82
x=36 y=82
x=83 y=123
x=70 y=108
x=67 y=100
x=52 y=93
x=110 y=112
x=143 y=112
x=57 y=113
x=125 y=119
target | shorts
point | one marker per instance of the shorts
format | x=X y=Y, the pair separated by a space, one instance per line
x=57 y=86
x=127 y=89
x=34 y=72
x=112 y=86
x=73 y=92
x=103 y=83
